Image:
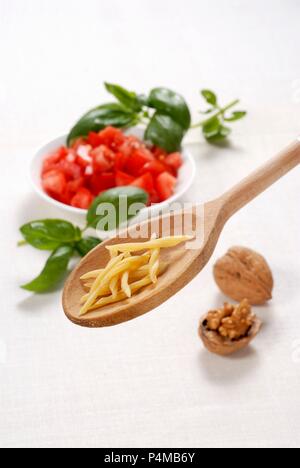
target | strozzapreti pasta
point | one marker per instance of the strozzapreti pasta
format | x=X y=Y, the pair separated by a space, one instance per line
x=127 y=272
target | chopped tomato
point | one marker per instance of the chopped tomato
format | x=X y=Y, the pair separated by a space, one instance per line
x=120 y=161
x=82 y=199
x=78 y=142
x=111 y=137
x=144 y=182
x=165 y=185
x=83 y=157
x=137 y=161
x=74 y=185
x=54 y=182
x=130 y=144
x=53 y=159
x=174 y=161
x=154 y=167
x=100 y=182
x=103 y=159
x=94 y=139
x=154 y=198
x=123 y=179
x=71 y=170
x=159 y=153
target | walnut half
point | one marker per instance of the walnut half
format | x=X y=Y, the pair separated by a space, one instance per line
x=229 y=329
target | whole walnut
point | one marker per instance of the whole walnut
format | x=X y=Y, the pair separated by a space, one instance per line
x=243 y=273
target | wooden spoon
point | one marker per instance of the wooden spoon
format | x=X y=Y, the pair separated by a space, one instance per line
x=185 y=263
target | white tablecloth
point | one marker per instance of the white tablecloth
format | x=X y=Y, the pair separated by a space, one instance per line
x=150 y=382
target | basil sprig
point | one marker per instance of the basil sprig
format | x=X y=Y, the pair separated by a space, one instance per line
x=164 y=113
x=214 y=127
x=65 y=240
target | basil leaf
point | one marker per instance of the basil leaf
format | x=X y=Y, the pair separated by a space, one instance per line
x=143 y=100
x=164 y=132
x=115 y=206
x=211 y=127
x=53 y=272
x=87 y=244
x=112 y=114
x=172 y=104
x=48 y=234
x=210 y=97
x=219 y=136
x=237 y=115
x=128 y=98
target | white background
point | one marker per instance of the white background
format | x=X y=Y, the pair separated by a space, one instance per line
x=149 y=382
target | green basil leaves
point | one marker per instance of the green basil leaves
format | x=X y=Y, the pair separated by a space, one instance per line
x=112 y=114
x=53 y=272
x=48 y=234
x=164 y=132
x=129 y=99
x=87 y=244
x=214 y=127
x=169 y=103
x=114 y=207
x=164 y=113
x=64 y=239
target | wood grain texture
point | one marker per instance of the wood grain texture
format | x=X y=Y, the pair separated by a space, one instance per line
x=184 y=263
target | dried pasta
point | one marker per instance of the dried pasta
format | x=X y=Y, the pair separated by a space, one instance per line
x=126 y=273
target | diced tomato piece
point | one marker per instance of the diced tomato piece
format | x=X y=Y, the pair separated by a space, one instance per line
x=144 y=182
x=82 y=199
x=111 y=137
x=54 y=182
x=154 y=167
x=165 y=185
x=62 y=152
x=130 y=144
x=94 y=139
x=53 y=159
x=174 y=161
x=79 y=142
x=100 y=182
x=123 y=179
x=103 y=159
x=159 y=153
x=89 y=171
x=83 y=157
x=137 y=161
x=71 y=170
x=154 y=198
x=74 y=185
x=120 y=161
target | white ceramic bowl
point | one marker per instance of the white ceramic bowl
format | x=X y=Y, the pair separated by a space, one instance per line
x=186 y=177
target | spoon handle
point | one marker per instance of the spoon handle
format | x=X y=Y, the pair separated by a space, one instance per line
x=261 y=179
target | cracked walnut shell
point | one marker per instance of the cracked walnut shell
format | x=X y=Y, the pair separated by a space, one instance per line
x=230 y=329
x=243 y=273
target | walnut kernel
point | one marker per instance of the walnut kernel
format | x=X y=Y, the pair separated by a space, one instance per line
x=229 y=329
